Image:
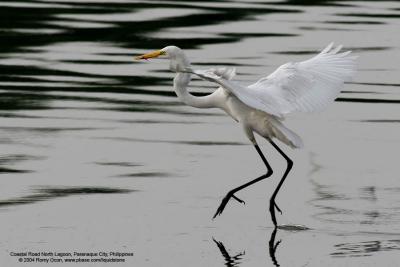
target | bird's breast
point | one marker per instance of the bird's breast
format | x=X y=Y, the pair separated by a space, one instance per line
x=237 y=109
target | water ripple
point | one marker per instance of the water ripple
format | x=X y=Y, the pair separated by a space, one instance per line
x=48 y=193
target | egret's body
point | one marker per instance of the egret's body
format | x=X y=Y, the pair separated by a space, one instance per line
x=252 y=120
x=260 y=108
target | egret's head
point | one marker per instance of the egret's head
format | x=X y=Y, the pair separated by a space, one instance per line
x=178 y=60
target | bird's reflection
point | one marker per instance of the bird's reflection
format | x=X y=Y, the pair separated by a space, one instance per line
x=273 y=246
x=234 y=261
x=230 y=261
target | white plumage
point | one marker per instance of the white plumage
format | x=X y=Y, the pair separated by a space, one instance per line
x=305 y=86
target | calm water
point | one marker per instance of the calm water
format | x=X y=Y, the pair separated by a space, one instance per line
x=97 y=154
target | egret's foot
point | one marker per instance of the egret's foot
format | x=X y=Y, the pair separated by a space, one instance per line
x=239 y=200
x=225 y=201
x=277 y=208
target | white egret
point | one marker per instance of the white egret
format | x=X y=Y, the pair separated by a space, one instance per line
x=305 y=86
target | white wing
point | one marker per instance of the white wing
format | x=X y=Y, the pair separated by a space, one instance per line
x=303 y=86
x=224 y=72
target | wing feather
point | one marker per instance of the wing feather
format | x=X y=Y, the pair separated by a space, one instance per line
x=223 y=72
x=306 y=86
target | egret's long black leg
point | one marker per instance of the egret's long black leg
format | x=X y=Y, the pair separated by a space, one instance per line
x=272 y=204
x=231 y=193
x=268 y=168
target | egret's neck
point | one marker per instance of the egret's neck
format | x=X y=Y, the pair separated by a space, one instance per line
x=181 y=82
x=179 y=62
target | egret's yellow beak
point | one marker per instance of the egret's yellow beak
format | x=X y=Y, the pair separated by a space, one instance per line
x=153 y=54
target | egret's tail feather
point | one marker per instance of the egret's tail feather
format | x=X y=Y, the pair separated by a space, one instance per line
x=287 y=136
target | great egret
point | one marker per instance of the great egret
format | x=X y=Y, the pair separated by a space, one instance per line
x=305 y=86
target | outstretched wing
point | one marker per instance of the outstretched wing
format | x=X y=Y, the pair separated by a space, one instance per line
x=303 y=86
x=223 y=72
